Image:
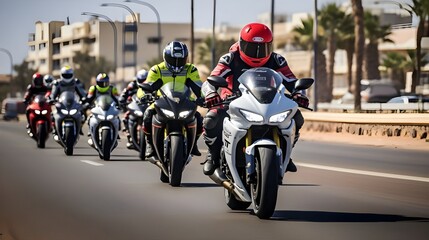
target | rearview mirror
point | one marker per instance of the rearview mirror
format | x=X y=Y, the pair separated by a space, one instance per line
x=217 y=81
x=303 y=83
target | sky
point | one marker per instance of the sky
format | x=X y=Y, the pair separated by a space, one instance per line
x=17 y=17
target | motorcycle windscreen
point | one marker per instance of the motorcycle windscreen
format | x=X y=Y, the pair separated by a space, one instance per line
x=263 y=83
x=176 y=91
x=67 y=98
x=104 y=102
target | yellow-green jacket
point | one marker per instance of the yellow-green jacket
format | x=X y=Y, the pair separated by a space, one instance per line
x=160 y=72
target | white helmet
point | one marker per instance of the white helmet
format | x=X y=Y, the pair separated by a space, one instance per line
x=67 y=74
x=48 y=80
x=141 y=77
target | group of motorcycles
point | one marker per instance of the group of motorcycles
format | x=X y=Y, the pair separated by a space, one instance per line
x=258 y=135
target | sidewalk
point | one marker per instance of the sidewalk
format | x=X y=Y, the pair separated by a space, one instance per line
x=378 y=141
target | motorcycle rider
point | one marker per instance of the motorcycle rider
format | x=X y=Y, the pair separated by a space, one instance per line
x=67 y=82
x=173 y=68
x=35 y=88
x=128 y=92
x=48 y=80
x=101 y=87
x=254 y=49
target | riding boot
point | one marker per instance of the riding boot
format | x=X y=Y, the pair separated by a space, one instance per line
x=195 y=151
x=213 y=156
x=150 y=149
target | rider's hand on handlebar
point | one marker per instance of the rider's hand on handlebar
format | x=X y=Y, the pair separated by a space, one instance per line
x=199 y=101
x=302 y=100
x=212 y=99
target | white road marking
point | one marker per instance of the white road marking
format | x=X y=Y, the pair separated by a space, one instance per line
x=362 y=172
x=92 y=163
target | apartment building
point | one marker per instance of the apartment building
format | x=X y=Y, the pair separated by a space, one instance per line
x=53 y=44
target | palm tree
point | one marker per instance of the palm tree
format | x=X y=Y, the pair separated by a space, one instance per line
x=396 y=62
x=421 y=9
x=359 y=49
x=204 y=50
x=331 y=17
x=346 y=41
x=304 y=39
x=374 y=33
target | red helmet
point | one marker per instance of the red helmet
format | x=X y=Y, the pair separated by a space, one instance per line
x=255 y=44
x=37 y=80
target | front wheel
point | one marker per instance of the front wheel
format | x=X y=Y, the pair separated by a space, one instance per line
x=264 y=191
x=69 y=137
x=41 y=135
x=106 y=143
x=176 y=160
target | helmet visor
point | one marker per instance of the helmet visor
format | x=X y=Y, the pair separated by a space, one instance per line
x=256 y=50
x=67 y=75
x=175 y=61
x=103 y=84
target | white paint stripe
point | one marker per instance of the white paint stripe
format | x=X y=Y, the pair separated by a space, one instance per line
x=362 y=172
x=92 y=163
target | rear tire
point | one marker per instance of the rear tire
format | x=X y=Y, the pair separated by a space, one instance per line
x=41 y=135
x=106 y=144
x=176 y=160
x=264 y=191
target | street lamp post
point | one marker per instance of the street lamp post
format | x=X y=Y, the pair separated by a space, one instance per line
x=315 y=26
x=11 y=66
x=115 y=35
x=157 y=18
x=213 y=35
x=133 y=15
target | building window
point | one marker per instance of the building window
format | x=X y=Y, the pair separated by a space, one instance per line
x=153 y=40
x=66 y=43
x=76 y=41
x=56 y=64
x=42 y=61
x=32 y=48
x=42 y=46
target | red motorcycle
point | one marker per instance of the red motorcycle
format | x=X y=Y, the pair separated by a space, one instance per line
x=39 y=112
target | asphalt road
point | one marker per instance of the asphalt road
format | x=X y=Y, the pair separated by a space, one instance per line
x=339 y=192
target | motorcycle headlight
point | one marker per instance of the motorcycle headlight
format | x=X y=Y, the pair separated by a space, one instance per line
x=73 y=111
x=138 y=113
x=44 y=112
x=279 y=117
x=184 y=114
x=101 y=117
x=65 y=112
x=37 y=112
x=168 y=113
x=110 y=117
x=252 y=117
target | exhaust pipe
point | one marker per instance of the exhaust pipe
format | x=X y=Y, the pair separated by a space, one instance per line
x=158 y=164
x=219 y=177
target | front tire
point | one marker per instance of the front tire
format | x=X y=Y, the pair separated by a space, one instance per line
x=41 y=135
x=106 y=143
x=69 y=136
x=176 y=160
x=264 y=191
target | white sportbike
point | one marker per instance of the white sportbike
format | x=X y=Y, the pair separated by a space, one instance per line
x=257 y=138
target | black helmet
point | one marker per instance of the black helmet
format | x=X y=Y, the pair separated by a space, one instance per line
x=175 y=56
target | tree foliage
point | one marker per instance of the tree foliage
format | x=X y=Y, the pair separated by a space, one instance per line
x=87 y=67
x=204 y=52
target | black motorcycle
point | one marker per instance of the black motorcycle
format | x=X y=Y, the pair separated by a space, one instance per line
x=174 y=131
x=68 y=121
x=136 y=108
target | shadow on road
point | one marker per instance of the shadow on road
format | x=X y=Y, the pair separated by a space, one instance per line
x=319 y=216
x=300 y=185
